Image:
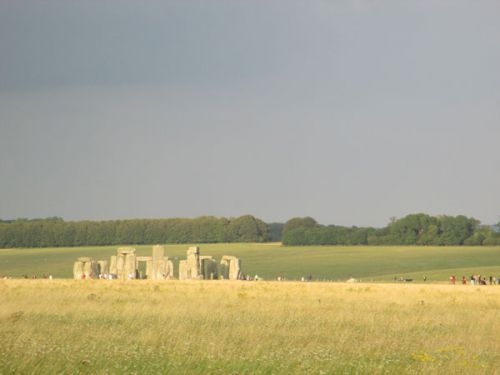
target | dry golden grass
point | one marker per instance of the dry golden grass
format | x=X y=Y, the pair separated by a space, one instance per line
x=52 y=326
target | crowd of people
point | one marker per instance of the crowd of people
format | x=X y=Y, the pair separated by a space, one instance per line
x=471 y=280
x=476 y=280
x=44 y=276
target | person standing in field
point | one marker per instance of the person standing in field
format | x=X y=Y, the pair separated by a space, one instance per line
x=464 y=280
x=452 y=280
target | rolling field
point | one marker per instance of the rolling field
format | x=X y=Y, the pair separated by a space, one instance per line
x=271 y=260
x=223 y=327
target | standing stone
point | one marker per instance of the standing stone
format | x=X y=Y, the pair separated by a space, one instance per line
x=94 y=267
x=159 y=263
x=224 y=269
x=103 y=267
x=147 y=261
x=193 y=263
x=170 y=269
x=183 y=274
x=130 y=266
x=230 y=267
x=208 y=267
x=77 y=270
x=159 y=268
x=126 y=263
x=120 y=266
x=87 y=269
x=112 y=265
x=235 y=269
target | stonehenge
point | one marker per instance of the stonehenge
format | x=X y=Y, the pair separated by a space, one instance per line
x=208 y=267
x=193 y=263
x=230 y=267
x=159 y=267
x=85 y=268
x=127 y=265
x=197 y=267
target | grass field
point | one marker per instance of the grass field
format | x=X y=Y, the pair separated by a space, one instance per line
x=223 y=327
x=270 y=260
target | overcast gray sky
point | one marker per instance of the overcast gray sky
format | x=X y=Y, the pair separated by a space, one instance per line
x=348 y=111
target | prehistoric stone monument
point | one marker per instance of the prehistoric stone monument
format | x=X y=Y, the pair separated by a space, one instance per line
x=197 y=267
x=230 y=267
x=158 y=266
x=103 y=266
x=125 y=265
x=208 y=267
x=190 y=268
x=85 y=268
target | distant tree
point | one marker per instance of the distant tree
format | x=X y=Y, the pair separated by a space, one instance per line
x=247 y=229
x=299 y=222
x=455 y=230
x=415 y=229
x=295 y=237
x=409 y=230
x=275 y=231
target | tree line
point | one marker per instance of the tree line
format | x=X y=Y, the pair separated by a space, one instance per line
x=55 y=232
x=414 y=229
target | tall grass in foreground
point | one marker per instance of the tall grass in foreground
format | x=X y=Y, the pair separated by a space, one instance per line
x=112 y=327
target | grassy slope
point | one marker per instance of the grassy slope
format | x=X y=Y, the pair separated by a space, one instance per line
x=214 y=327
x=270 y=260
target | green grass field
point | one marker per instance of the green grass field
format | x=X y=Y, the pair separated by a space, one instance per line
x=271 y=260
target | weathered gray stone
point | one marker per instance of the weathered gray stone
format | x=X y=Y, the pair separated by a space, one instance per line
x=235 y=269
x=159 y=266
x=120 y=266
x=87 y=269
x=230 y=267
x=224 y=269
x=130 y=266
x=103 y=267
x=208 y=267
x=170 y=269
x=112 y=265
x=94 y=266
x=125 y=265
x=78 y=270
x=183 y=275
x=193 y=263
x=160 y=263
x=143 y=274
